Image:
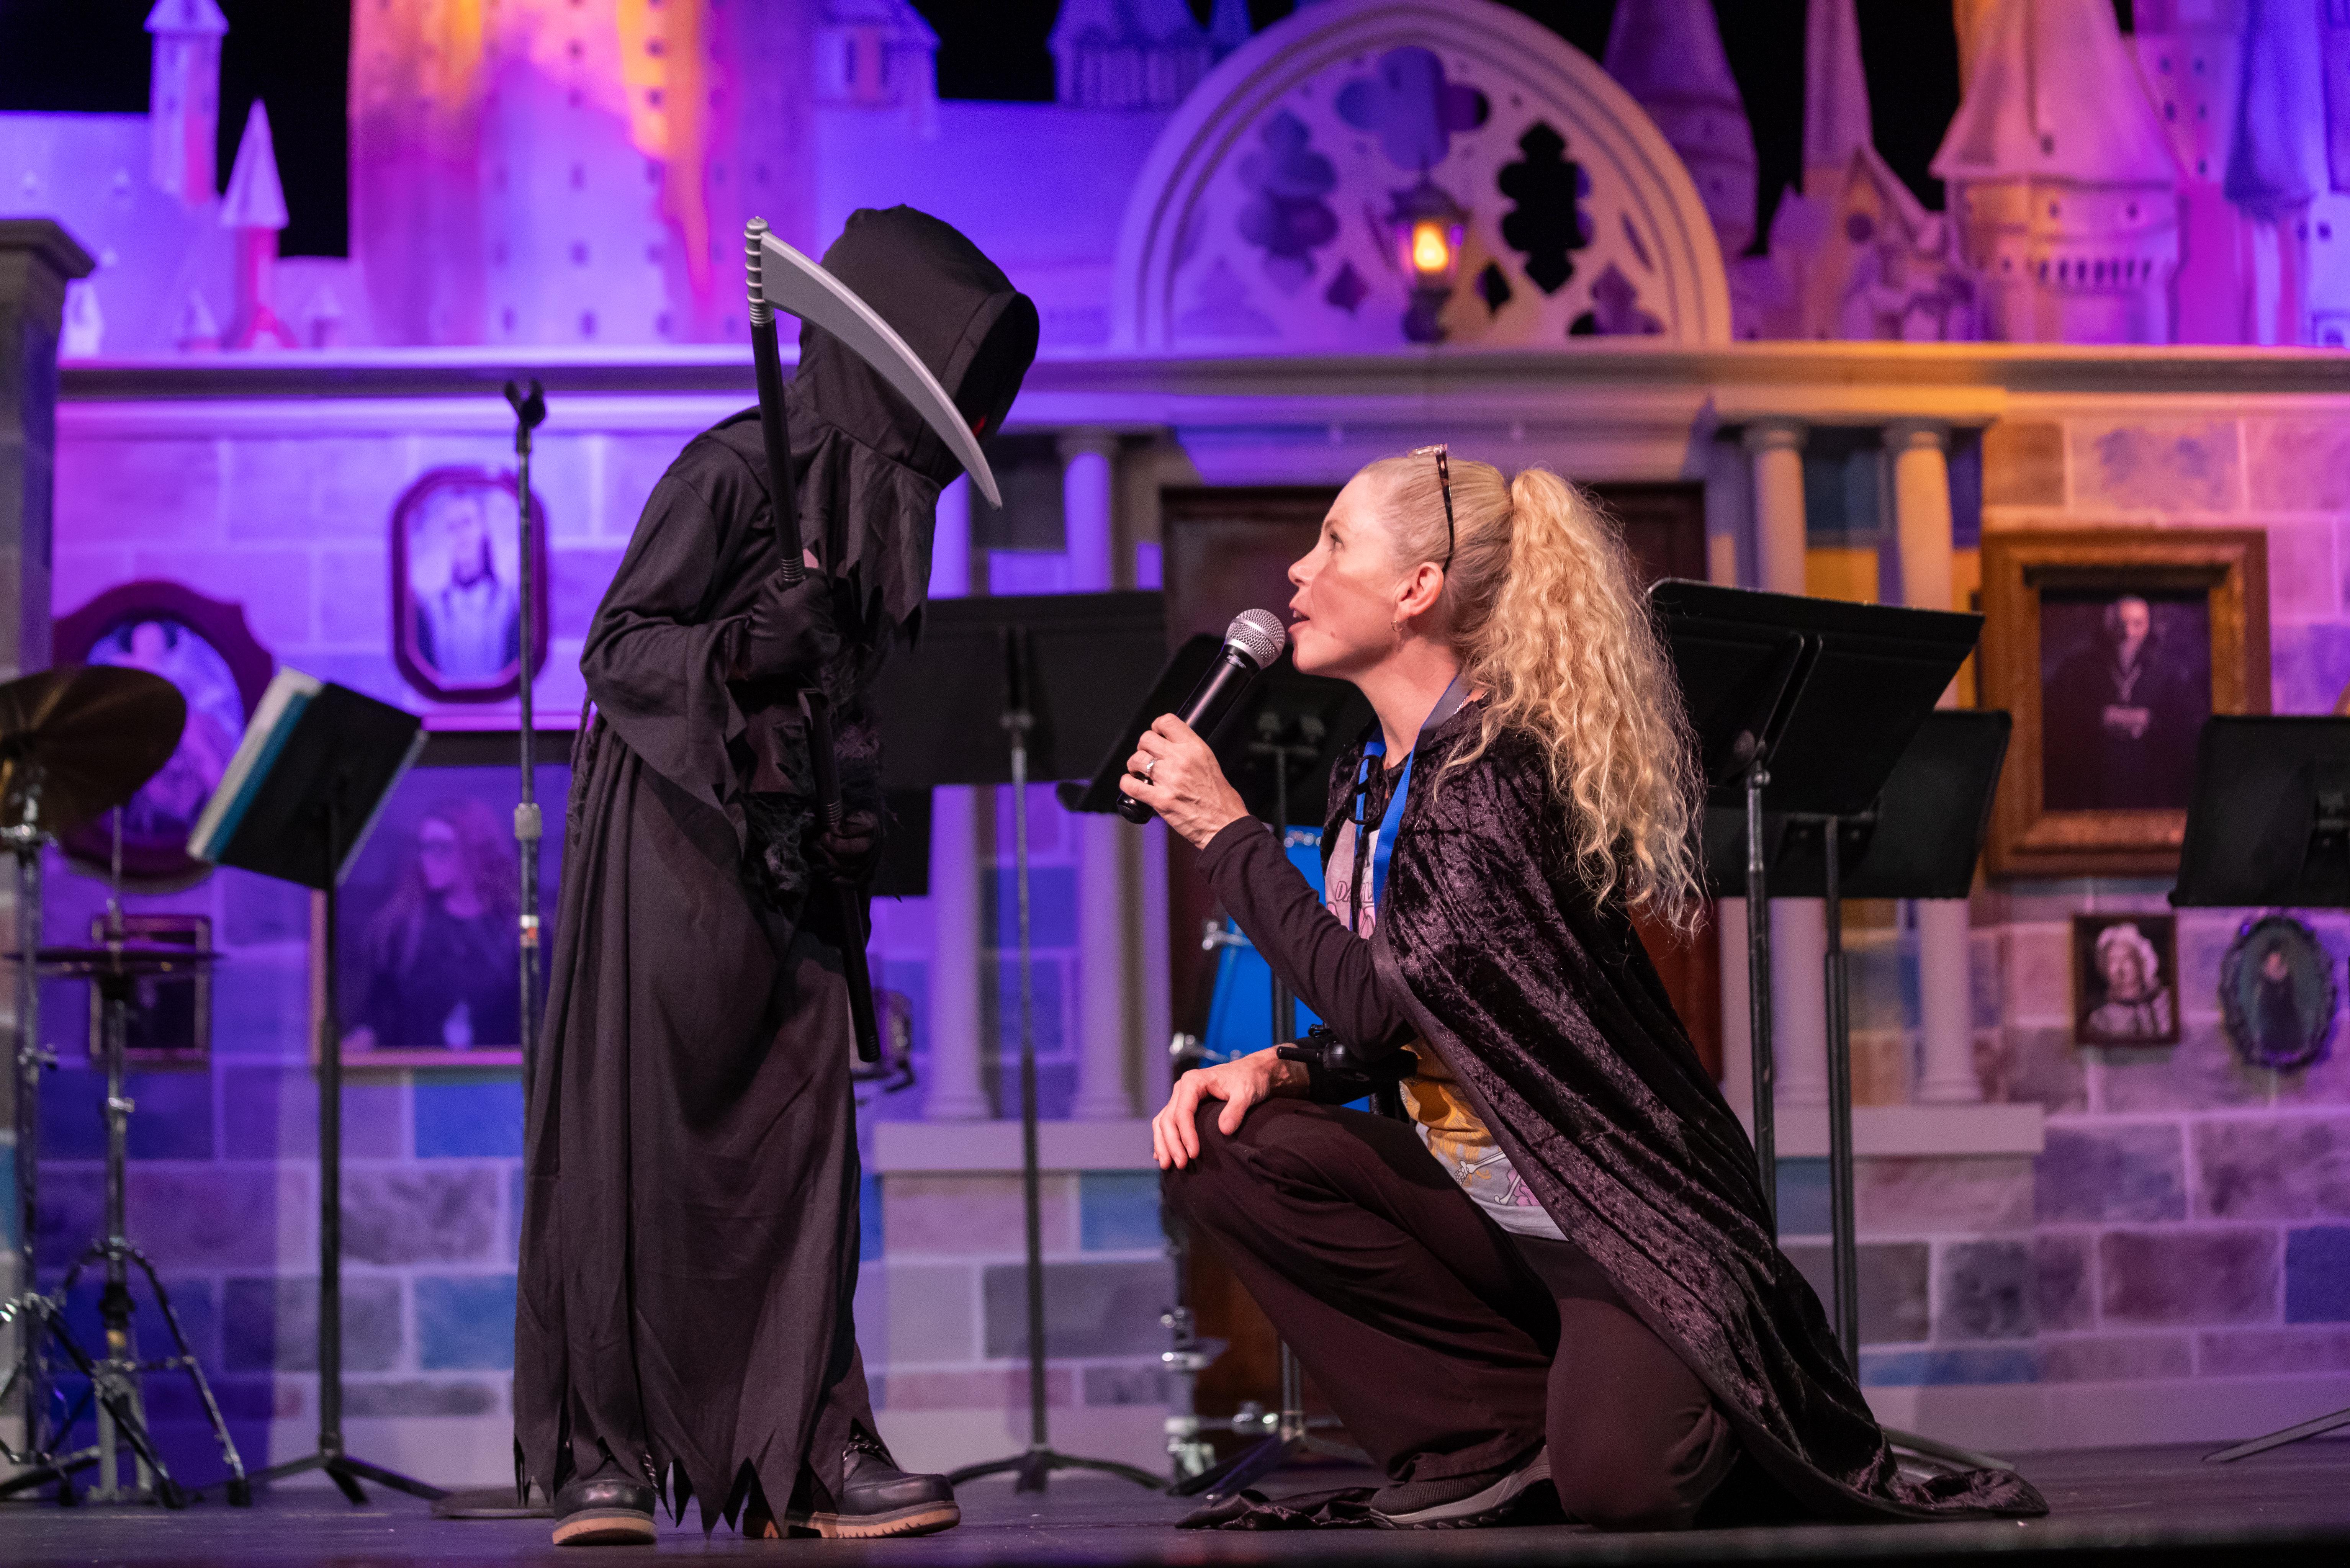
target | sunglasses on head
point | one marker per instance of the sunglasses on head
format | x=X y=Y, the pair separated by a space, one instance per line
x=1443 y=483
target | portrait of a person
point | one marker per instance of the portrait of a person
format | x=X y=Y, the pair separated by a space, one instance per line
x=168 y=805
x=2121 y=716
x=438 y=962
x=2276 y=989
x=2130 y=975
x=466 y=619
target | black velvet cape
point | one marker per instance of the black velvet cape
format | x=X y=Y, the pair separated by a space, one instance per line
x=690 y=1223
x=1542 y=1002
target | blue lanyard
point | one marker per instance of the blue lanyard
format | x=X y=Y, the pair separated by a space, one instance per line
x=1375 y=750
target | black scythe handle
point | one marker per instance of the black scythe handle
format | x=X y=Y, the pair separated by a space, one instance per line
x=852 y=913
x=767 y=359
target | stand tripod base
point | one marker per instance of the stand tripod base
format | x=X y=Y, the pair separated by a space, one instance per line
x=1260 y=1459
x=2317 y=1428
x=347 y=1473
x=1030 y=1470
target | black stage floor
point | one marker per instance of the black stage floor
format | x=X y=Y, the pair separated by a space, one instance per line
x=2134 y=1506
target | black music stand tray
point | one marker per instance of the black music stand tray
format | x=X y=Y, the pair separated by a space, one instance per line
x=1802 y=707
x=2269 y=824
x=311 y=804
x=1279 y=740
x=997 y=690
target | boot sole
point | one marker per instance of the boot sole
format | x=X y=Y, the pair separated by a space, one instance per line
x=922 y=1519
x=606 y=1527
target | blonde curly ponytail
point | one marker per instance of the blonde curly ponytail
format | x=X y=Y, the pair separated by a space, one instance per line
x=1549 y=625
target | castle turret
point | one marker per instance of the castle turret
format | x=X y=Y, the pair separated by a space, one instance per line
x=1127 y=54
x=253 y=209
x=2063 y=183
x=1668 y=55
x=184 y=96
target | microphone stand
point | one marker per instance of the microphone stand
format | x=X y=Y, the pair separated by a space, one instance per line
x=767 y=363
x=530 y=412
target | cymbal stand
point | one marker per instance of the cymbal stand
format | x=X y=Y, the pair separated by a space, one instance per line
x=41 y=1319
x=120 y=1369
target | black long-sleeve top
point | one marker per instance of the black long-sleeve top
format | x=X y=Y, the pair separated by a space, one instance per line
x=1327 y=965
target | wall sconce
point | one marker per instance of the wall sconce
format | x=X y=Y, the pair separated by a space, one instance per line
x=1428 y=225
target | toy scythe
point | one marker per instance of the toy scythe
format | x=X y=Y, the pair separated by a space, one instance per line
x=781 y=278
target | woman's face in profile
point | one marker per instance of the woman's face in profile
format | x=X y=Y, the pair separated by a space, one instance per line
x=1342 y=617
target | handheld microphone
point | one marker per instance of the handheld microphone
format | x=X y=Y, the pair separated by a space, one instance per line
x=1251 y=643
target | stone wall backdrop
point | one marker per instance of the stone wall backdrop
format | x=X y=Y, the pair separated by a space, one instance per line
x=2176 y=1264
x=287 y=514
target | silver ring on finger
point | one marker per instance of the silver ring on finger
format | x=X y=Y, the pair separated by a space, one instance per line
x=1148 y=769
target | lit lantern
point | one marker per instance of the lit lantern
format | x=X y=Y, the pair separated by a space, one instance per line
x=1428 y=225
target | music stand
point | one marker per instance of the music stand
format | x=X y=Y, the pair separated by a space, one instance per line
x=1920 y=839
x=2269 y=824
x=997 y=690
x=298 y=811
x=1286 y=731
x=1802 y=707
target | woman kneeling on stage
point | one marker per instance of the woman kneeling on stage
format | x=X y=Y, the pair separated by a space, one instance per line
x=1559 y=1269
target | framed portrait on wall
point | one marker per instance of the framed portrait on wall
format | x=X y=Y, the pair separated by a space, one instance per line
x=428 y=945
x=2125 y=980
x=456 y=599
x=202 y=647
x=2111 y=647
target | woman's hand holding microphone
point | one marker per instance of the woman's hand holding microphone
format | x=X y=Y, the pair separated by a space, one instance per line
x=1174 y=773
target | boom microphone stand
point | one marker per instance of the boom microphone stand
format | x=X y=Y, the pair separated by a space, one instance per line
x=530 y=412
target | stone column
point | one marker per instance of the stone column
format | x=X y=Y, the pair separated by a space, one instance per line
x=957 y=1091
x=1776 y=447
x=38 y=259
x=1088 y=487
x=1799 y=1011
x=1921 y=510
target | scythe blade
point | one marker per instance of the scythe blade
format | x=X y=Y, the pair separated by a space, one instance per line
x=790 y=281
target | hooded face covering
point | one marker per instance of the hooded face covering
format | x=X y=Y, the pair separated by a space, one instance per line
x=963 y=319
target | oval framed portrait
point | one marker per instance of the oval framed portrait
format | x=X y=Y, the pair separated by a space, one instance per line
x=456 y=575
x=204 y=647
x=2277 y=994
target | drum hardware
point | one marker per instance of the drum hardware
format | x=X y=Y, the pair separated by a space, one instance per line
x=75 y=742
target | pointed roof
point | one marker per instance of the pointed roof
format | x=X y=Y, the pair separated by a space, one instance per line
x=1125 y=22
x=175 y=17
x=1670 y=50
x=2278 y=158
x=2056 y=95
x=255 y=200
x=1835 y=90
x=1229 y=25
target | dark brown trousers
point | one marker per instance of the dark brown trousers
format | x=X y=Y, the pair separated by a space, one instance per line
x=1447 y=1345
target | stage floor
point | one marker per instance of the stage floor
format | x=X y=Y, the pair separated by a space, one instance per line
x=2120 y=1506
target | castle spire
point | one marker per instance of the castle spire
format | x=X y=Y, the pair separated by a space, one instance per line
x=254 y=207
x=1836 y=96
x=184 y=96
x=1668 y=55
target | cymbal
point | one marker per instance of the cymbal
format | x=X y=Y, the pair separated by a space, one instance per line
x=119 y=958
x=86 y=737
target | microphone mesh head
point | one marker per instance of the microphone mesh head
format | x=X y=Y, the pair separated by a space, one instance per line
x=1259 y=634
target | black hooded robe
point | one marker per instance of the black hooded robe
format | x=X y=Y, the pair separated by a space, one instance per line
x=689 y=1235
x=1546 y=1008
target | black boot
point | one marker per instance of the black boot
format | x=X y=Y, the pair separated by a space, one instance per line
x=878 y=1499
x=608 y=1508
